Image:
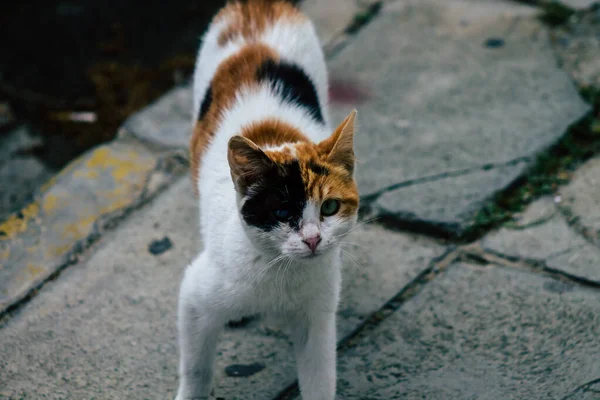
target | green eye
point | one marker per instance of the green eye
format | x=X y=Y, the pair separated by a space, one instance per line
x=330 y=207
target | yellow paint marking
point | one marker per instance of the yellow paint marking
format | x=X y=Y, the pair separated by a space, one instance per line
x=80 y=229
x=49 y=203
x=4 y=254
x=15 y=225
x=35 y=270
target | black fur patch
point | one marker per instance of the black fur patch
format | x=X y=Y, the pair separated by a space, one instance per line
x=318 y=169
x=206 y=102
x=281 y=187
x=292 y=84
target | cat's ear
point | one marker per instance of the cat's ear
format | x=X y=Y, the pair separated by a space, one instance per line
x=339 y=147
x=247 y=162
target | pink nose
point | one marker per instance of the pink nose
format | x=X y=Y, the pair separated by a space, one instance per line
x=313 y=242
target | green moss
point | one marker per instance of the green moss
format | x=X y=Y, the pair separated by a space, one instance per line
x=555 y=14
x=551 y=170
x=363 y=18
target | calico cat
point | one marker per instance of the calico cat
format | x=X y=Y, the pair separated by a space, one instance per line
x=276 y=189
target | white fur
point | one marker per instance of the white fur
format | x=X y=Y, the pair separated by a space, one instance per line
x=243 y=271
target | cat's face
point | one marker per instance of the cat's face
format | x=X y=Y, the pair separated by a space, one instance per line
x=299 y=199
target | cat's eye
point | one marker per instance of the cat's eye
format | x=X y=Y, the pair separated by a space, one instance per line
x=330 y=207
x=281 y=214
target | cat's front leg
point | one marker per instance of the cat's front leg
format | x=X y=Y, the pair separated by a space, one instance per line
x=199 y=327
x=314 y=339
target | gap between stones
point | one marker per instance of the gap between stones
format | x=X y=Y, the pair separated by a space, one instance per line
x=573 y=221
x=586 y=387
x=474 y=253
x=360 y=20
x=367 y=200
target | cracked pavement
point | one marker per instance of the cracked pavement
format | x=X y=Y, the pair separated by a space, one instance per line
x=456 y=99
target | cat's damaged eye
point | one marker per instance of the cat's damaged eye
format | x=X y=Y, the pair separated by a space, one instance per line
x=330 y=207
x=281 y=214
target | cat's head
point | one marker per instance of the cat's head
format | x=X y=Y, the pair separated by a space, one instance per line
x=296 y=199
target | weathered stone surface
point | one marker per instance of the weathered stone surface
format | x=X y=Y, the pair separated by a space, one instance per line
x=578 y=4
x=590 y=391
x=380 y=264
x=581 y=197
x=20 y=173
x=444 y=101
x=480 y=333
x=332 y=17
x=167 y=122
x=542 y=234
x=106 y=327
x=578 y=47
x=72 y=208
x=463 y=194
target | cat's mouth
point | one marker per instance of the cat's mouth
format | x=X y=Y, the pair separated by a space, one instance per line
x=311 y=256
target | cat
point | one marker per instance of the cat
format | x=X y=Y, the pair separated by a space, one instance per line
x=276 y=191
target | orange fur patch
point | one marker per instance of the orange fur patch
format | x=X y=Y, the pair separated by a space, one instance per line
x=249 y=19
x=237 y=71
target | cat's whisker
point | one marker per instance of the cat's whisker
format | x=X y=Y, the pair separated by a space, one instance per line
x=284 y=275
x=354 y=260
x=277 y=286
x=353 y=244
x=358 y=225
x=263 y=270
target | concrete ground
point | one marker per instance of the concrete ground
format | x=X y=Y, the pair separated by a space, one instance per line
x=458 y=101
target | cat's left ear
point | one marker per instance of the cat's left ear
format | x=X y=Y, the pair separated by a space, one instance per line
x=247 y=162
x=339 y=147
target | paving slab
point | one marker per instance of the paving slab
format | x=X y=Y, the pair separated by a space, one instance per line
x=167 y=122
x=578 y=47
x=72 y=208
x=456 y=88
x=481 y=333
x=463 y=193
x=541 y=233
x=106 y=328
x=578 y=4
x=581 y=198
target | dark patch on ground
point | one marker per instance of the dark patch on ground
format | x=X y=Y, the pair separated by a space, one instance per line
x=494 y=43
x=347 y=91
x=558 y=287
x=243 y=370
x=240 y=323
x=160 y=246
x=555 y=13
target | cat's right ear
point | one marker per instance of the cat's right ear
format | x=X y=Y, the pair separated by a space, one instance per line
x=247 y=162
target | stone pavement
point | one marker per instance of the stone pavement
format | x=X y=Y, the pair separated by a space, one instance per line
x=456 y=99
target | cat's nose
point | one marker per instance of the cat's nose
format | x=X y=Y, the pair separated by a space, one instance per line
x=313 y=242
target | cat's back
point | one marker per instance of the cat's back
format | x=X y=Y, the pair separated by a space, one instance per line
x=263 y=47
